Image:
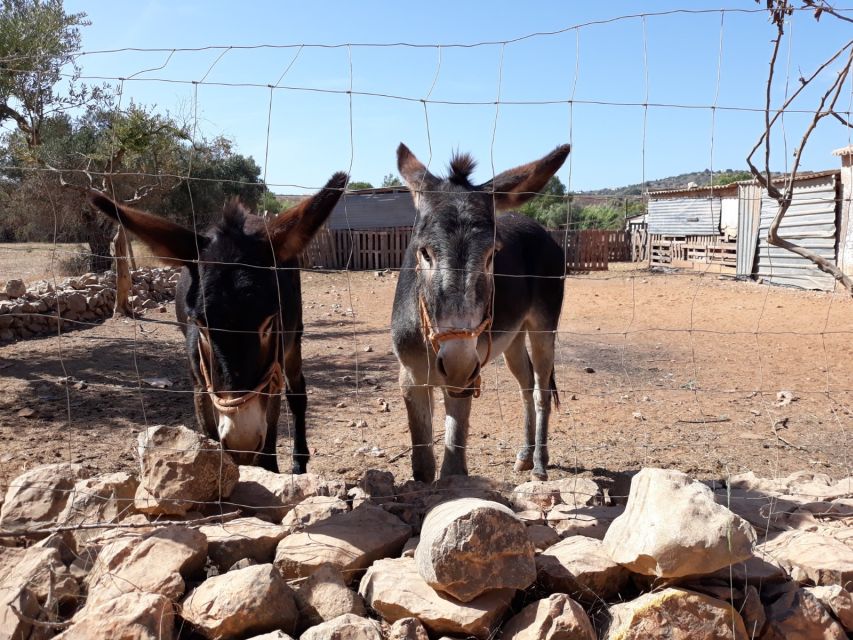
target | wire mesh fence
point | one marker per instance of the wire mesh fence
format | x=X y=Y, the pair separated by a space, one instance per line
x=692 y=370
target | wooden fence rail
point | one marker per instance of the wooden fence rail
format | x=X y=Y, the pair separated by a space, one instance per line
x=373 y=249
x=703 y=253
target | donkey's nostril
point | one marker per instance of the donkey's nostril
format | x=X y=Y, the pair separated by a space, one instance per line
x=475 y=372
x=439 y=363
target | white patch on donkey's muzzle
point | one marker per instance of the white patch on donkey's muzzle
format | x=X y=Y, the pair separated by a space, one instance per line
x=243 y=431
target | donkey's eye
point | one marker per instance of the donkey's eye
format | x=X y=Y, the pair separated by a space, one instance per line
x=426 y=256
x=490 y=259
x=266 y=328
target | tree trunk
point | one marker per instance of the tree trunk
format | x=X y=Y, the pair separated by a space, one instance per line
x=98 y=236
x=124 y=283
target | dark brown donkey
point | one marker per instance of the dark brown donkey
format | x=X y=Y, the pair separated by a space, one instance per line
x=239 y=305
x=474 y=286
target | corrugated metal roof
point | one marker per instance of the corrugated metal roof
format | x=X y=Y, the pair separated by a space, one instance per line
x=844 y=151
x=704 y=191
x=722 y=189
x=373 y=209
x=810 y=223
x=685 y=216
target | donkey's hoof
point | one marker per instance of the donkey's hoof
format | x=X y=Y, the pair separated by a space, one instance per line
x=523 y=464
x=538 y=475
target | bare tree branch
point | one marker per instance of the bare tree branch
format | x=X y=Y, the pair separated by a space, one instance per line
x=779 y=9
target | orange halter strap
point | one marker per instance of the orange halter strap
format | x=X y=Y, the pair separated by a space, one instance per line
x=271 y=382
x=435 y=338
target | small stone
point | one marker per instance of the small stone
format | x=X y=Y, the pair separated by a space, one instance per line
x=346 y=627
x=556 y=617
x=408 y=629
x=324 y=596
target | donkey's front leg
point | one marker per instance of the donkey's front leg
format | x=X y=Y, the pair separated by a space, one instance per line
x=458 y=412
x=417 y=396
x=267 y=458
x=297 y=400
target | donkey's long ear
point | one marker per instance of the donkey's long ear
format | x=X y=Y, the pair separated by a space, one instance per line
x=416 y=176
x=292 y=230
x=169 y=241
x=516 y=186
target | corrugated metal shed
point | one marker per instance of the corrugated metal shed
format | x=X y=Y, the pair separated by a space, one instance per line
x=749 y=210
x=373 y=209
x=698 y=216
x=811 y=223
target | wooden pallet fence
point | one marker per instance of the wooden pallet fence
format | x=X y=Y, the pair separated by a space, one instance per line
x=714 y=254
x=639 y=245
x=619 y=246
x=585 y=249
x=357 y=249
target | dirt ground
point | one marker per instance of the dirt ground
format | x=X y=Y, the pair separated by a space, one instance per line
x=676 y=370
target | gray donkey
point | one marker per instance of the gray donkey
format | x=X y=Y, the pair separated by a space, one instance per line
x=474 y=286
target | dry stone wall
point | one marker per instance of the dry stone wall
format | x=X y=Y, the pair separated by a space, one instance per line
x=43 y=307
x=240 y=565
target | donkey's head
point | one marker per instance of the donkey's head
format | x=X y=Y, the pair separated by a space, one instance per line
x=234 y=302
x=455 y=240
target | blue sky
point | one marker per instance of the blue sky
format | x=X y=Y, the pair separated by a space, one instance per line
x=314 y=128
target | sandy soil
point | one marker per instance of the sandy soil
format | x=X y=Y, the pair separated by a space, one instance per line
x=686 y=370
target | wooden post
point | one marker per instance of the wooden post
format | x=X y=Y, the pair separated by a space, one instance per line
x=124 y=284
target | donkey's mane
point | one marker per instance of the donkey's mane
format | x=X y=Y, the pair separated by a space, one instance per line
x=461 y=167
x=233 y=215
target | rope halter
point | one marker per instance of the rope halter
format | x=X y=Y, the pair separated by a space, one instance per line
x=271 y=382
x=436 y=338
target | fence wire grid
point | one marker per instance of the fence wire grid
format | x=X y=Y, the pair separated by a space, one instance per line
x=689 y=369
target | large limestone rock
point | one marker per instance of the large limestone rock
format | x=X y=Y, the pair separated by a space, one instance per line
x=108 y=498
x=672 y=527
x=345 y=627
x=581 y=568
x=469 y=546
x=180 y=470
x=675 y=614
x=377 y=485
x=812 y=556
x=15 y=288
x=36 y=498
x=28 y=579
x=350 y=542
x=251 y=600
x=155 y=562
x=324 y=595
x=798 y=615
x=271 y=496
x=556 y=617
x=313 y=510
x=231 y=541
x=837 y=601
x=130 y=616
x=574 y=492
x=394 y=589
x=542 y=536
x=592 y=522
x=272 y=635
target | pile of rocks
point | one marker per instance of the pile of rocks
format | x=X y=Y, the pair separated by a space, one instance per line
x=42 y=307
x=198 y=543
